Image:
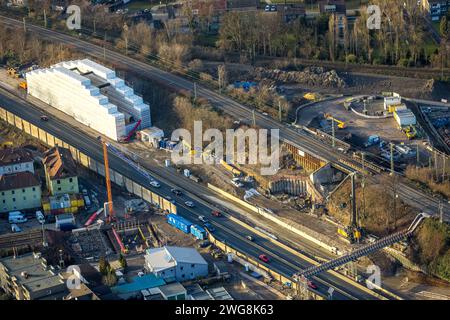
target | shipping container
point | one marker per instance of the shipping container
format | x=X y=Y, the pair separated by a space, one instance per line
x=179 y=223
x=198 y=232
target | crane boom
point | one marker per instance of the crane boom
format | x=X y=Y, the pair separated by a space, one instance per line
x=108 y=182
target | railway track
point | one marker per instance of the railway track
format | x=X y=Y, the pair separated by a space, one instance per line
x=33 y=237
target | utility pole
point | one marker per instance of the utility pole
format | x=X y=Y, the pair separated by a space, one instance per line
x=125 y=29
x=24 y=25
x=443 y=168
x=195 y=92
x=417 y=156
x=220 y=84
x=392 y=158
x=441 y=211
x=254 y=117
x=436 y=165
x=363 y=182
x=333 y=133
x=279 y=111
x=104 y=49
x=45 y=19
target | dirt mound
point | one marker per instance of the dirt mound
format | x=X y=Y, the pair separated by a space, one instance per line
x=311 y=76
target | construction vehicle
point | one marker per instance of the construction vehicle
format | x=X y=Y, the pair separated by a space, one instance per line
x=109 y=209
x=351 y=232
x=23 y=85
x=310 y=96
x=128 y=137
x=410 y=132
x=341 y=124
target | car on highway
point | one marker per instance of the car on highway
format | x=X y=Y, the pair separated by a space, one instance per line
x=312 y=285
x=190 y=204
x=216 y=213
x=249 y=238
x=263 y=258
x=177 y=192
x=204 y=244
x=209 y=227
x=44 y=118
x=202 y=219
x=155 y=184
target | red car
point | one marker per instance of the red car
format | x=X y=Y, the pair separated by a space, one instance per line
x=216 y=213
x=263 y=258
x=312 y=285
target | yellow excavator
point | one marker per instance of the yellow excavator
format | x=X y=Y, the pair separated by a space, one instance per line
x=410 y=132
x=341 y=124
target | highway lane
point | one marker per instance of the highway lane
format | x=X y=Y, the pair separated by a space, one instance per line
x=307 y=143
x=282 y=261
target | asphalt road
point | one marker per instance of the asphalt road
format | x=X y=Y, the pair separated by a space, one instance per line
x=234 y=234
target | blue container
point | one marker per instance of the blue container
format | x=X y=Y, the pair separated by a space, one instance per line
x=179 y=222
x=198 y=232
x=162 y=144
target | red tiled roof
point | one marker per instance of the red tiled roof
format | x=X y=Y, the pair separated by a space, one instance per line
x=59 y=163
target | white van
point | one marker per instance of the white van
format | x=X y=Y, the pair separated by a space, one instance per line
x=15 y=213
x=15 y=228
x=17 y=219
x=40 y=217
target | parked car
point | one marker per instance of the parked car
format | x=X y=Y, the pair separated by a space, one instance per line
x=204 y=244
x=216 y=213
x=263 y=258
x=176 y=192
x=202 y=219
x=15 y=228
x=40 y=217
x=190 y=204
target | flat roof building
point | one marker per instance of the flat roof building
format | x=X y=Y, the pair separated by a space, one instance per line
x=27 y=277
x=176 y=263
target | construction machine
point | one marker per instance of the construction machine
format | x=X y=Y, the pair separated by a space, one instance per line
x=352 y=232
x=340 y=124
x=109 y=209
x=410 y=132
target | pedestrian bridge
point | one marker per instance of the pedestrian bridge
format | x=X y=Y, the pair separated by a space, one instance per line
x=364 y=250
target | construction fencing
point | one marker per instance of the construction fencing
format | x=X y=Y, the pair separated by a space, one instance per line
x=88 y=162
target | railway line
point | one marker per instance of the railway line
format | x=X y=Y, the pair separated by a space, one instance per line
x=15 y=240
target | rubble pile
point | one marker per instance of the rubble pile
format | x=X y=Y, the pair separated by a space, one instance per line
x=312 y=76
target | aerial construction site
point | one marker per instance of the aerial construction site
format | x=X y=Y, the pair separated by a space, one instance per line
x=140 y=167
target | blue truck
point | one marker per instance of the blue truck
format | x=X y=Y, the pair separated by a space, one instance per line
x=198 y=232
x=179 y=222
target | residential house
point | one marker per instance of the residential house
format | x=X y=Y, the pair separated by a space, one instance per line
x=19 y=191
x=176 y=263
x=337 y=8
x=291 y=12
x=15 y=160
x=60 y=171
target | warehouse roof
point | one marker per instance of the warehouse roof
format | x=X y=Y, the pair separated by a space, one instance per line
x=18 y=180
x=14 y=155
x=139 y=283
x=166 y=257
x=59 y=163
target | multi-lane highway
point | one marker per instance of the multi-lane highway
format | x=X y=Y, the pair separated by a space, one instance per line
x=282 y=260
x=297 y=138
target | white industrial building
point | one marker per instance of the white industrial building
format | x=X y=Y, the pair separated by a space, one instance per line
x=176 y=263
x=93 y=95
x=405 y=117
x=393 y=100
